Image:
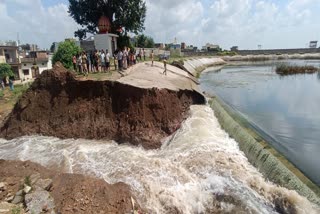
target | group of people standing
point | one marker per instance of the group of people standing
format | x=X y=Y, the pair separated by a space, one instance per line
x=7 y=81
x=99 y=60
x=96 y=61
x=126 y=57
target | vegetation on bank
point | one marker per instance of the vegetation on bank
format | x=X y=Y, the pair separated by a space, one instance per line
x=227 y=53
x=285 y=70
x=9 y=98
x=65 y=52
x=5 y=71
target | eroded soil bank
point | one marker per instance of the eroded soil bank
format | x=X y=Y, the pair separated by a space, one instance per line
x=68 y=193
x=57 y=104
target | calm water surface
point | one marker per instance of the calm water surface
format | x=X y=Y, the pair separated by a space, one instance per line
x=287 y=109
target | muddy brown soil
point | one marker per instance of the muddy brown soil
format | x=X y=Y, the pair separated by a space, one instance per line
x=57 y=104
x=72 y=193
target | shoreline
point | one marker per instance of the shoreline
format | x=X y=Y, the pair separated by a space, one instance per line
x=195 y=65
x=285 y=173
x=260 y=153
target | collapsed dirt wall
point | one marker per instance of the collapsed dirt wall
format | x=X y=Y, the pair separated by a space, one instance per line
x=57 y=104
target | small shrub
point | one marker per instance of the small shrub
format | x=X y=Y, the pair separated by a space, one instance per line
x=284 y=69
x=27 y=181
x=16 y=210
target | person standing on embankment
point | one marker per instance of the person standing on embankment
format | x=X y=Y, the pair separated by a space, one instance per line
x=107 y=60
x=120 y=58
x=152 y=56
x=165 y=66
x=84 y=63
x=74 y=62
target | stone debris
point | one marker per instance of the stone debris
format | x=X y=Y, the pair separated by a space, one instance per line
x=7 y=208
x=26 y=189
x=17 y=199
x=9 y=198
x=58 y=193
x=34 y=178
x=36 y=198
x=44 y=184
x=3 y=186
x=19 y=193
x=39 y=201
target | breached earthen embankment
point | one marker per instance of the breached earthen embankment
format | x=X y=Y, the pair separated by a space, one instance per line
x=57 y=104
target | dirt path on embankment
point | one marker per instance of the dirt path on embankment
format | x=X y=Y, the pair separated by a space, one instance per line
x=57 y=104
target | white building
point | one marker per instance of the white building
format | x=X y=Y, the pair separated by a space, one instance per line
x=34 y=65
x=107 y=41
x=209 y=47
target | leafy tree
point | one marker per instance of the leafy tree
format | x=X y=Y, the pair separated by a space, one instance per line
x=124 y=41
x=143 y=41
x=126 y=14
x=25 y=47
x=149 y=42
x=5 y=70
x=65 y=52
x=52 y=47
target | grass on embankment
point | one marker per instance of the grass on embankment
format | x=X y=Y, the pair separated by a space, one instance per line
x=9 y=98
x=284 y=70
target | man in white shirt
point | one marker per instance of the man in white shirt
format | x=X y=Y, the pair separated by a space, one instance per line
x=103 y=61
x=107 y=60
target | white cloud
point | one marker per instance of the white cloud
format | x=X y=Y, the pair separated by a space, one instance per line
x=35 y=23
x=246 y=23
x=169 y=19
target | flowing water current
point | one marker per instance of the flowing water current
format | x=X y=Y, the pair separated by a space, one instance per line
x=198 y=170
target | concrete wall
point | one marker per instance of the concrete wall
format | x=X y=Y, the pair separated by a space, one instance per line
x=191 y=53
x=258 y=52
x=194 y=66
x=2 y=59
x=270 y=163
x=279 y=51
x=104 y=41
x=156 y=51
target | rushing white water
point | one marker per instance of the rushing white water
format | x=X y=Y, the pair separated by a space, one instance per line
x=198 y=170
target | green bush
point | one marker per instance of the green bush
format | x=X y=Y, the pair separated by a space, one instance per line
x=65 y=52
x=5 y=70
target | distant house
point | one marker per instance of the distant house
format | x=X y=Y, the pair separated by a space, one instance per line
x=313 y=44
x=234 y=48
x=106 y=41
x=183 y=46
x=210 y=47
x=9 y=54
x=34 y=64
x=175 y=46
x=161 y=46
x=87 y=44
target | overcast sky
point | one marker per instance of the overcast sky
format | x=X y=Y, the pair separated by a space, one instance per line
x=245 y=23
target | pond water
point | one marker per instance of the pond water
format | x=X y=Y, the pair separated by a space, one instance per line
x=286 y=108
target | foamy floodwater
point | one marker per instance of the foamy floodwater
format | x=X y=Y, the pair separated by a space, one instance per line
x=198 y=170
